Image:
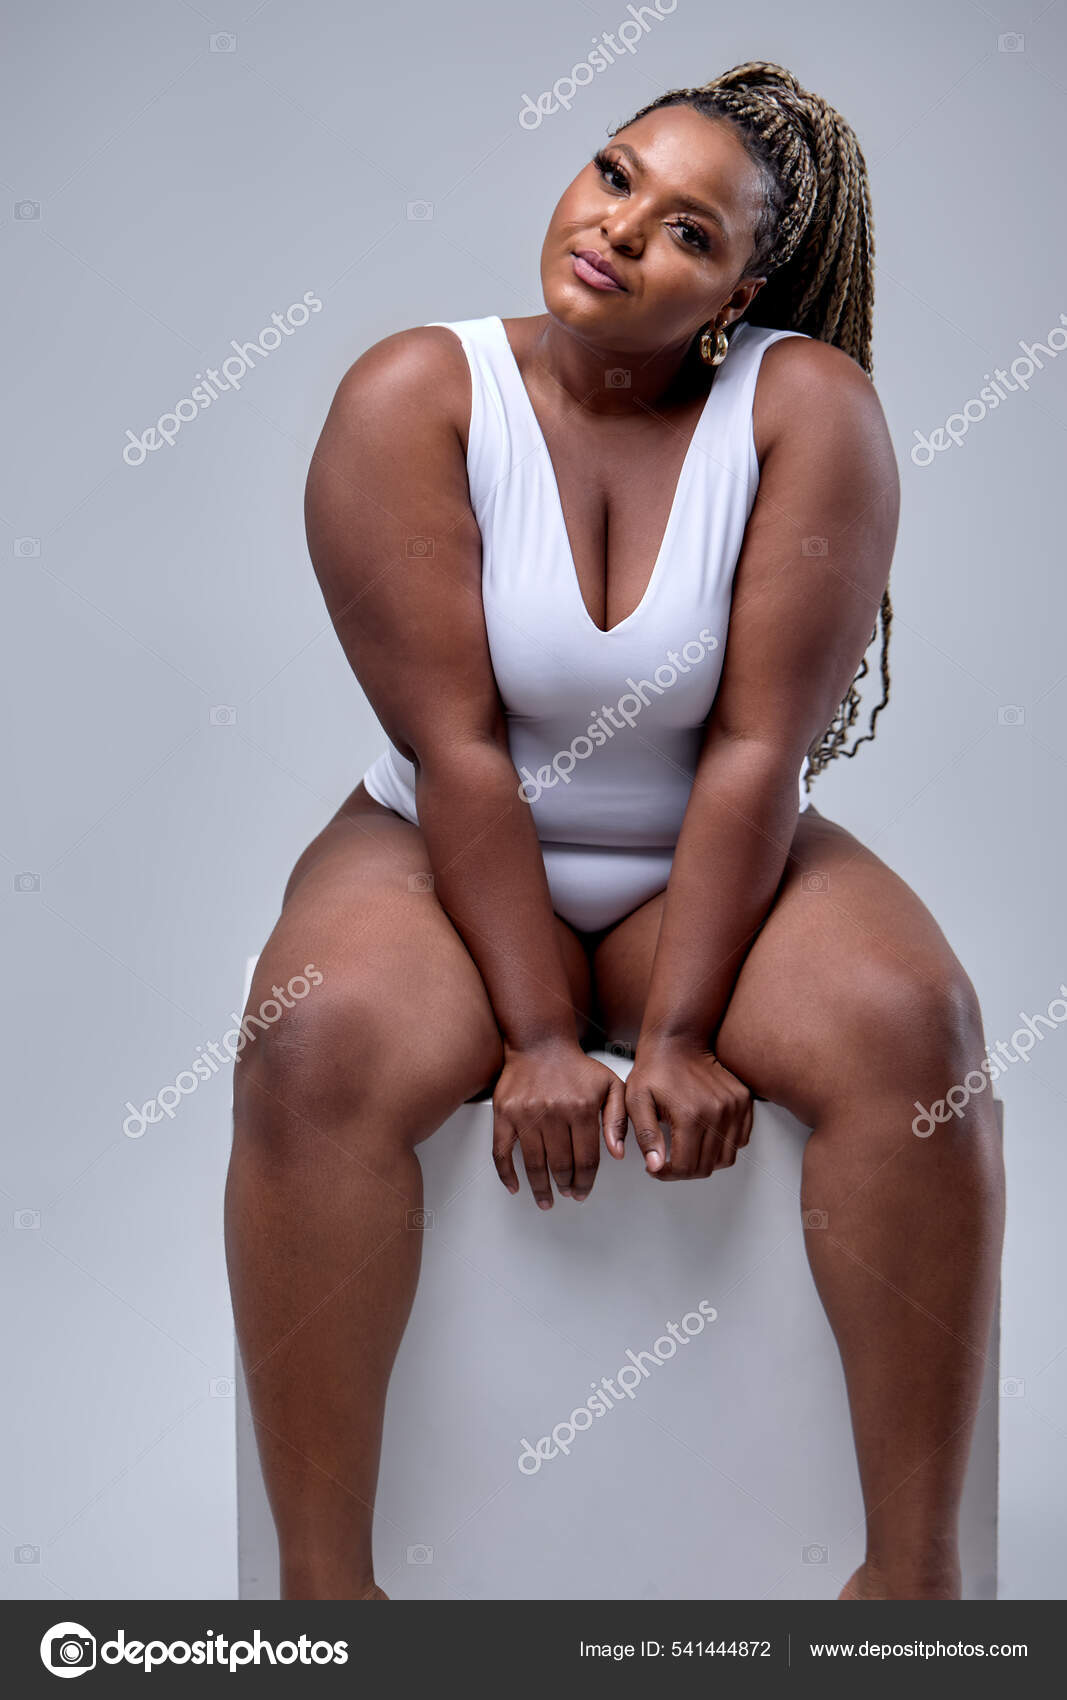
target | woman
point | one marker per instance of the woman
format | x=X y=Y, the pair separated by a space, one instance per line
x=484 y=511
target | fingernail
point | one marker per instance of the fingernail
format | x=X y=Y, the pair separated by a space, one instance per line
x=543 y=1204
x=654 y=1161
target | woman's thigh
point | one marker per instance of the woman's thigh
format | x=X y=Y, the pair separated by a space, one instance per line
x=849 y=979
x=401 y=1010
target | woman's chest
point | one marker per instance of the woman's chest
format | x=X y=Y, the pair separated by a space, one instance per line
x=614 y=499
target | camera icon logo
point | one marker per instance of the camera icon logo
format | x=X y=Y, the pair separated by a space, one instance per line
x=68 y=1649
x=815 y=1554
x=617 y=378
x=420 y=882
x=27 y=209
x=222 y=1387
x=814 y=881
x=1012 y=1388
x=27 y=882
x=1011 y=714
x=420 y=209
x=419 y=1555
x=1011 y=43
x=27 y=1555
x=25 y=547
x=816 y=1219
x=417 y=548
x=27 y=1218
x=814 y=546
x=420 y=1219
x=224 y=42
x=223 y=714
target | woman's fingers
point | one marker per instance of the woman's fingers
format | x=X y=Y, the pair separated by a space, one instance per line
x=534 y=1160
x=747 y=1120
x=559 y=1151
x=708 y=1112
x=504 y=1138
x=709 y=1151
x=615 y=1118
x=585 y=1140
x=686 y=1142
x=644 y=1113
x=724 y=1139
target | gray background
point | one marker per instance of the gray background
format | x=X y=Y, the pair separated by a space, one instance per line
x=186 y=194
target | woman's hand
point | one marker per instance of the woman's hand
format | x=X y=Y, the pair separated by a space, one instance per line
x=549 y=1099
x=708 y=1110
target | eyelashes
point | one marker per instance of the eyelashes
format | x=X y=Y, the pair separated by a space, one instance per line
x=606 y=165
x=609 y=167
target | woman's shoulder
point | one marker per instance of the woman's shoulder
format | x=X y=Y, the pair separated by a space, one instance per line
x=423 y=367
x=801 y=378
x=793 y=362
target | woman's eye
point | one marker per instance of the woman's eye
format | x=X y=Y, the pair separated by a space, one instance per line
x=694 y=231
x=692 y=234
x=608 y=168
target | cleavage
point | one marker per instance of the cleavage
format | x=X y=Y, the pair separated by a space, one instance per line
x=617 y=497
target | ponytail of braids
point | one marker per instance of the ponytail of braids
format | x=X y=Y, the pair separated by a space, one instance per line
x=815 y=242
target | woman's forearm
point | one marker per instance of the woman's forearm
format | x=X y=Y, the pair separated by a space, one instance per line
x=728 y=864
x=489 y=876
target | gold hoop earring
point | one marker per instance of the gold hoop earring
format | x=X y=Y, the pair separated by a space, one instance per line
x=722 y=346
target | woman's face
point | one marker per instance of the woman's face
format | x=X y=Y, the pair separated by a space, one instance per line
x=672 y=207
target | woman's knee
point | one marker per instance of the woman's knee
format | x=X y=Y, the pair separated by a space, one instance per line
x=306 y=1056
x=886 y=1028
x=920 y=1020
x=352 y=1059
x=903 y=1029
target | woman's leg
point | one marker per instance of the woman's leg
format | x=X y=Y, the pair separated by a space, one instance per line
x=323 y=1232
x=850 y=1007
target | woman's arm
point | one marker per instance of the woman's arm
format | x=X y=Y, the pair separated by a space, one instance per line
x=800 y=622
x=397 y=552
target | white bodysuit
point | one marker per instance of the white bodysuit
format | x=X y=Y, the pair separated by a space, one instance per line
x=604 y=728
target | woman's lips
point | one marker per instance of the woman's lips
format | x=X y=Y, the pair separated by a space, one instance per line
x=589 y=274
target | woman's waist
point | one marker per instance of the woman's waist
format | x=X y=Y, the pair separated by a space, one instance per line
x=637 y=804
x=609 y=815
x=629 y=855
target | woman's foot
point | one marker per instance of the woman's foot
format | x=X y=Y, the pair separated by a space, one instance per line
x=871 y=1583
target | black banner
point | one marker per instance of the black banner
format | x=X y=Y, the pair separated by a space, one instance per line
x=682 y=1646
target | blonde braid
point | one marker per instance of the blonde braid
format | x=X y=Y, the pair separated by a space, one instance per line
x=814 y=241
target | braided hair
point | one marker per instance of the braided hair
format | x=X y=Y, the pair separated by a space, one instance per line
x=814 y=241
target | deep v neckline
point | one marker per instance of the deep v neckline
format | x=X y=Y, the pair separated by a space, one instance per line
x=676 y=507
